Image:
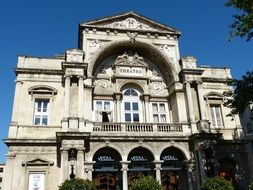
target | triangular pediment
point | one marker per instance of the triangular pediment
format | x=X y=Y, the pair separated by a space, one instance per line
x=130 y=21
x=38 y=162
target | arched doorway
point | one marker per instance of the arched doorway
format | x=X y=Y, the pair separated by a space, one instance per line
x=107 y=174
x=173 y=174
x=141 y=163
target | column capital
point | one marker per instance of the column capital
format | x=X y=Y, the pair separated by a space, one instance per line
x=146 y=97
x=124 y=165
x=118 y=96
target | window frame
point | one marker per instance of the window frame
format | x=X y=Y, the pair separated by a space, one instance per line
x=98 y=112
x=159 y=112
x=212 y=107
x=41 y=114
x=132 y=98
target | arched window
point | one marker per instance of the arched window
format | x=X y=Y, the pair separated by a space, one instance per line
x=131 y=106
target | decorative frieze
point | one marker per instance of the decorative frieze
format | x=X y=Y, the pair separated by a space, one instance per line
x=168 y=50
x=103 y=86
x=93 y=46
x=158 y=89
x=131 y=24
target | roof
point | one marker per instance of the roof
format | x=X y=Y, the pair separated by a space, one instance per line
x=130 y=21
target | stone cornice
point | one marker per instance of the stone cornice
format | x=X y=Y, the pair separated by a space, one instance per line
x=37 y=71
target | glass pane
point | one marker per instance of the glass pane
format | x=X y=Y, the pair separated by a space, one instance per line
x=163 y=118
x=155 y=118
x=39 y=105
x=162 y=107
x=99 y=105
x=135 y=106
x=106 y=105
x=212 y=116
x=218 y=116
x=127 y=106
x=37 y=120
x=44 y=120
x=133 y=93
x=136 y=117
x=154 y=107
x=127 y=117
x=45 y=105
x=127 y=92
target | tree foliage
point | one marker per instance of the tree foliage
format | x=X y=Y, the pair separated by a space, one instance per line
x=242 y=95
x=251 y=186
x=146 y=183
x=217 y=183
x=77 y=184
x=243 y=22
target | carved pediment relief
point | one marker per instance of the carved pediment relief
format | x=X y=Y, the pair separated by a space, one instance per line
x=130 y=59
x=131 y=24
x=158 y=89
x=103 y=86
x=130 y=21
x=38 y=162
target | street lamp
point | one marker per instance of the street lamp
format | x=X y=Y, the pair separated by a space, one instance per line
x=72 y=163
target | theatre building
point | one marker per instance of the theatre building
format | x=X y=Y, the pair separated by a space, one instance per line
x=122 y=104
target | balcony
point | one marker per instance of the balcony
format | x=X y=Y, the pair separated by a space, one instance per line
x=165 y=129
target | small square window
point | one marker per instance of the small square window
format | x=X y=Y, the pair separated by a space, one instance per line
x=136 y=117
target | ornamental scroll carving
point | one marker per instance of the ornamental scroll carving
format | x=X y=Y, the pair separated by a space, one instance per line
x=130 y=23
x=93 y=46
x=158 y=89
x=168 y=51
x=103 y=86
x=130 y=58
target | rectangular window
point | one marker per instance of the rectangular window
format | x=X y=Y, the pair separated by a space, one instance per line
x=216 y=116
x=103 y=110
x=159 y=112
x=1 y=170
x=41 y=112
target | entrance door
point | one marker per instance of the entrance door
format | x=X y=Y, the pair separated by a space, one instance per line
x=169 y=180
x=106 y=180
x=107 y=174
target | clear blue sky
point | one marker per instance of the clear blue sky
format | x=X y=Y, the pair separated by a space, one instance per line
x=49 y=27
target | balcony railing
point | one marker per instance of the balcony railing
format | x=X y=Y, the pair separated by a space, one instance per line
x=138 y=127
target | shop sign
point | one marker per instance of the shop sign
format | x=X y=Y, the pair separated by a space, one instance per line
x=138 y=158
x=105 y=159
x=36 y=181
x=169 y=158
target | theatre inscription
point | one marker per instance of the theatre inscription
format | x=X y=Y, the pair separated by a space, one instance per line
x=130 y=71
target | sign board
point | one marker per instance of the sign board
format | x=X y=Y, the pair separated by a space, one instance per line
x=130 y=71
x=36 y=181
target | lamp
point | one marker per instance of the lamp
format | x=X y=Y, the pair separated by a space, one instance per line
x=72 y=163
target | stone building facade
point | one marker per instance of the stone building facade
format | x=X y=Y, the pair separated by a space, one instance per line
x=121 y=105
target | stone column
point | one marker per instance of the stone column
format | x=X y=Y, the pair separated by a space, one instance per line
x=124 y=170
x=16 y=101
x=8 y=174
x=158 y=165
x=80 y=97
x=189 y=100
x=80 y=163
x=67 y=93
x=201 y=101
x=146 y=100
x=118 y=110
x=89 y=169
x=64 y=164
